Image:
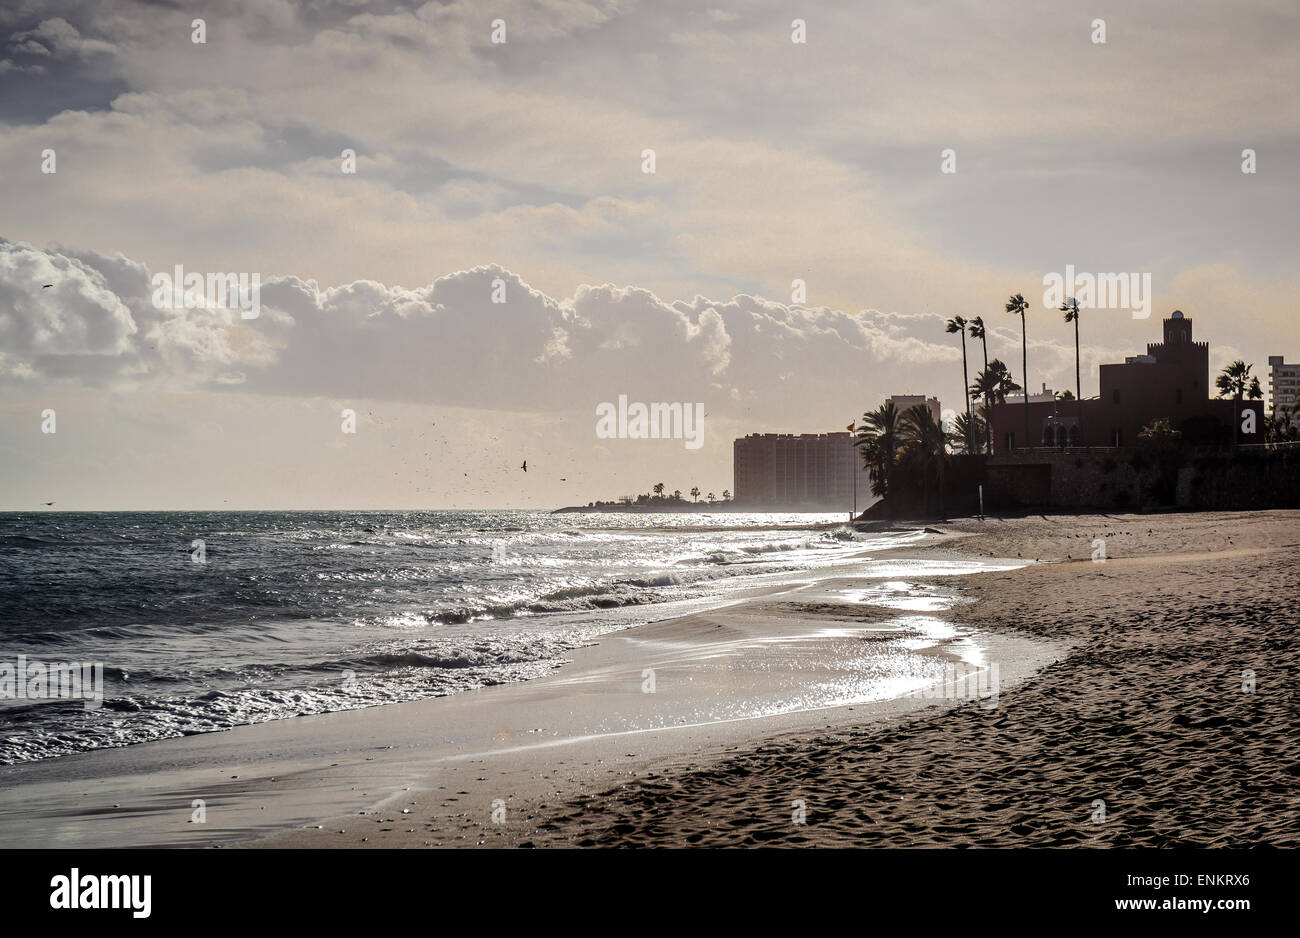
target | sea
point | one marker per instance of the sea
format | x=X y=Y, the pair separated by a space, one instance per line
x=203 y=621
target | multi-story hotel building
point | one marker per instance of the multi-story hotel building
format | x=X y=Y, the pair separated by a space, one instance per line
x=1283 y=386
x=806 y=470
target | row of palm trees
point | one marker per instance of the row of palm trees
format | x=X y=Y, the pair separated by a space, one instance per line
x=994 y=383
x=695 y=493
x=890 y=439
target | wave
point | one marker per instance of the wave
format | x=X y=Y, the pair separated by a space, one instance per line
x=414 y=604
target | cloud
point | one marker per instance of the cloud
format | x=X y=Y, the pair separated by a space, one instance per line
x=57 y=37
x=76 y=315
x=448 y=342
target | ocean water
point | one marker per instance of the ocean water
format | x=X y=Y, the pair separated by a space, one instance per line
x=305 y=612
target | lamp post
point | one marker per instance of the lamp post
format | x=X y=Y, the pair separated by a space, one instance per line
x=853 y=469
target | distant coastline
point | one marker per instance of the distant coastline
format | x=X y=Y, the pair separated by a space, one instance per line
x=703 y=508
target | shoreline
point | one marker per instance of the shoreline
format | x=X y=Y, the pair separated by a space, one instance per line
x=1124 y=688
x=695 y=508
x=720 y=684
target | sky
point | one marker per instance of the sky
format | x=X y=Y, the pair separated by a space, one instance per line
x=501 y=263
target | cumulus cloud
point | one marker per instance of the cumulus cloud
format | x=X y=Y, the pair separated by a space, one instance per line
x=55 y=309
x=89 y=318
x=450 y=342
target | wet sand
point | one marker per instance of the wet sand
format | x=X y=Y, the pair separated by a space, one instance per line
x=1142 y=735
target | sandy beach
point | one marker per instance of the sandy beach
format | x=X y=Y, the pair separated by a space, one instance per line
x=1146 y=713
x=1120 y=718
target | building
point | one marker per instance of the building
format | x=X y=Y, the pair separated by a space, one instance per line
x=1283 y=387
x=806 y=470
x=1046 y=395
x=1171 y=381
x=904 y=401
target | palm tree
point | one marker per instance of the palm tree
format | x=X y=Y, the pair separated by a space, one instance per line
x=879 y=439
x=1235 y=380
x=726 y=495
x=1017 y=305
x=1276 y=428
x=711 y=498
x=976 y=328
x=994 y=383
x=926 y=441
x=975 y=430
x=977 y=331
x=1071 y=309
x=659 y=490
x=695 y=492
x=958 y=324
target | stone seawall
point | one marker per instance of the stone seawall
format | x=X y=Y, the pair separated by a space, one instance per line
x=1134 y=479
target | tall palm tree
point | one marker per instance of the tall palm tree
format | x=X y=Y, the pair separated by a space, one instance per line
x=695 y=492
x=1017 y=305
x=1071 y=309
x=958 y=324
x=927 y=442
x=976 y=328
x=879 y=440
x=977 y=331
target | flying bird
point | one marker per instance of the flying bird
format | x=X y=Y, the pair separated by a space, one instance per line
x=46 y=286
x=524 y=466
x=49 y=503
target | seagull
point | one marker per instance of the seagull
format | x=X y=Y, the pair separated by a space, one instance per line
x=49 y=503
x=46 y=286
x=524 y=466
